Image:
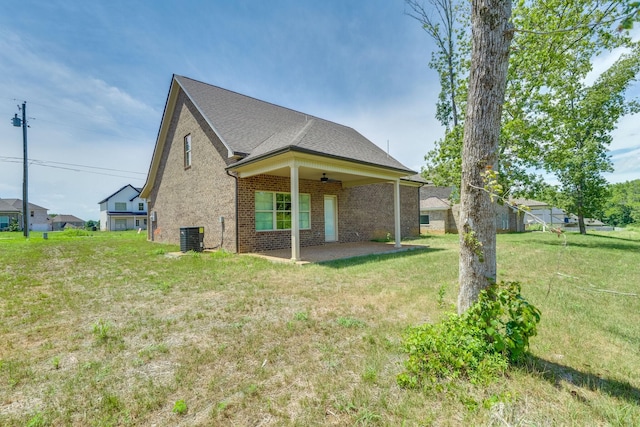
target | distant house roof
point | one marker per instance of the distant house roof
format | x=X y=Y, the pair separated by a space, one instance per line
x=128 y=185
x=8 y=207
x=252 y=129
x=66 y=218
x=530 y=203
x=434 y=203
x=17 y=205
x=443 y=193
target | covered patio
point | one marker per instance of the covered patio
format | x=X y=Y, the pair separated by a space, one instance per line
x=298 y=164
x=336 y=251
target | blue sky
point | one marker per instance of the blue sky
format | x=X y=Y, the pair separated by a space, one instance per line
x=95 y=76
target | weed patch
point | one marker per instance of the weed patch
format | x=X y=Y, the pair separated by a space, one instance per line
x=477 y=345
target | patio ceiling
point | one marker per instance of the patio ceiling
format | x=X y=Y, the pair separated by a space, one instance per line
x=313 y=166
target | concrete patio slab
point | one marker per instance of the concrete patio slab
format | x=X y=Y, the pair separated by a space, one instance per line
x=335 y=251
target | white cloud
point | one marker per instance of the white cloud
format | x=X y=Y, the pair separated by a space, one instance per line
x=626 y=163
x=76 y=118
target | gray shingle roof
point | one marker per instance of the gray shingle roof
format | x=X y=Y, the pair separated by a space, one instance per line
x=8 y=207
x=66 y=218
x=128 y=185
x=530 y=203
x=433 y=202
x=17 y=204
x=443 y=193
x=258 y=129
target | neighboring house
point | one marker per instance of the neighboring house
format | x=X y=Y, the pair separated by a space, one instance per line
x=257 y=176
x=439 y=215
x=544 y=213
x=436 y=213
x=61 y=222
x=123 y=210
x=12 y=208
x=8 y=214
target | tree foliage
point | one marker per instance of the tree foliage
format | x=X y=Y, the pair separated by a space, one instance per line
x=623 y=206
x=555 y=44
x=563 y=125
x=447 y=22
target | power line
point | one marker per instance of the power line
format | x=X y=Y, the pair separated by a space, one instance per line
x=53 y=165
x=43 y=162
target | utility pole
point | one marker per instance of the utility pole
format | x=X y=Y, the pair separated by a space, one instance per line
x=26 y=213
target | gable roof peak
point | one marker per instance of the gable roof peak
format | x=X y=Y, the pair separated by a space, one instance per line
x=259 y=128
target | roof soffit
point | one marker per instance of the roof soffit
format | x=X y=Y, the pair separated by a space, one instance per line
x=312 y=166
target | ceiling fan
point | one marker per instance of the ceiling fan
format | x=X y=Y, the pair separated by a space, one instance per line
x=325 y=179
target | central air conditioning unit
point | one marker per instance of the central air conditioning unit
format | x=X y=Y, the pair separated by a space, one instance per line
x=191 y=239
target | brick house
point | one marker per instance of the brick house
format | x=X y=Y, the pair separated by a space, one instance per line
x=258 y=176
x=11 y=209
x=439 y=215
x=61 y=222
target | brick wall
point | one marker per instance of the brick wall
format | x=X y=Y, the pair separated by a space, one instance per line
x=364 y=213
x=516 y=223
x=200 y=194
x=367 y=212
x=196 y=196
x=438 y=221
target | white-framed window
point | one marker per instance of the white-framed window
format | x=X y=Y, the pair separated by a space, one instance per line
x=137 y=223
x=4 y=222
x=121 y=206
x=140 y=206
x=187 y=151
x=273 y=211
x=424 y=219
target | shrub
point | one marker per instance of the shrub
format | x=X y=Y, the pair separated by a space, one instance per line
x=506 y=319
x=13 y=225
x=75 y=232
x=477 y=345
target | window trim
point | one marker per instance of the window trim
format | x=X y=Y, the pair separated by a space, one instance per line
x=274 y=211
x=140 y=206
x=428 y=219
x=188 y=149
x=115 y=206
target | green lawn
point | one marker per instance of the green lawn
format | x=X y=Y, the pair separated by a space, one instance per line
x=105 y=329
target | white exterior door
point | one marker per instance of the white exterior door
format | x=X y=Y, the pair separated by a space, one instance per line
x=330 y=219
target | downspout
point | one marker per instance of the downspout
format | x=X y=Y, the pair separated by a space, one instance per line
x=236 y=206
x=419 y=212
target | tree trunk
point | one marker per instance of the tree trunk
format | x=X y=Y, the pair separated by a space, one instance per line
x=581 y=226
x=491 y=34
x=580 y=209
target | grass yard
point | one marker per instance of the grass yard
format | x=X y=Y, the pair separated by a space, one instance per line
x=105 y=329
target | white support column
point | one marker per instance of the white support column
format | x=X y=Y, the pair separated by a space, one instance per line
x=396 y=211
x=295 y=213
